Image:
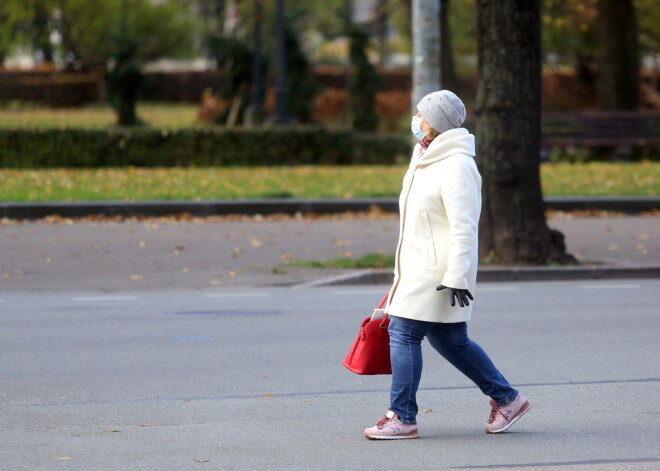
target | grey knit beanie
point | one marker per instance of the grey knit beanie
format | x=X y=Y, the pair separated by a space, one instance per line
x=443 y=110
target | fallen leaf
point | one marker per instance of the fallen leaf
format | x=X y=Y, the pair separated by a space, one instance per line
x=185 y=270
x=143 y=244
x=268 y=395
x=136 y=277
x=256 y=242
x=286 y=256
x=346 y=254
x=216 y=282
x=64 y=458
x=640 y=247
x=113 y=431
x=643 y=236
x=427 y=411
x=614 y=247
x=200 y=460
x=143 y=425
x=344 y=242
x=231 y=274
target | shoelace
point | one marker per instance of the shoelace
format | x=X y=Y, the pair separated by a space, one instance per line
x=493 y=414
x=382 y=421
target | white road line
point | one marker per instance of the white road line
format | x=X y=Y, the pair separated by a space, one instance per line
x=106 y=298
x=610 y=286
x=356 y=292
x=497 y=288
x=235 y=295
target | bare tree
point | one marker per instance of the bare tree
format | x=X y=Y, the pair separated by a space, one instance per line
x=513 y=228
x=426 y=48
x=618 y=64
x=447 y=68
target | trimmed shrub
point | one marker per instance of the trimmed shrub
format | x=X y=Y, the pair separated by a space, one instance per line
x=148 y=147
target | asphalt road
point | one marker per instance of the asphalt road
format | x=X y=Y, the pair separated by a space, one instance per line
x=252 y=380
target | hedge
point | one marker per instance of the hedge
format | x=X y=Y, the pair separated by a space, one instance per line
x=149 y=147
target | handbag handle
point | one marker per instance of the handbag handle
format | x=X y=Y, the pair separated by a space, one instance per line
x=382 y=303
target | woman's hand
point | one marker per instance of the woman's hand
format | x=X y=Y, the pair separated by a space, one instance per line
x=454 y=293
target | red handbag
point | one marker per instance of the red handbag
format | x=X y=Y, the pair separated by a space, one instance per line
x=370 y=353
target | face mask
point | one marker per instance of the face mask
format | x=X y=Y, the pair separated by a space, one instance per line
x=416 y=128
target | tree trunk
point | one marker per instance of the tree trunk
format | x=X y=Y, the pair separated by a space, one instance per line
x=41 y=34
x=407 y=8
x=381 y=25
x=618 y=64
x=513 y=229
x=447 y=69
x=426 y=48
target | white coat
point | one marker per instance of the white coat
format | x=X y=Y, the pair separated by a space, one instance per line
x=439 y=206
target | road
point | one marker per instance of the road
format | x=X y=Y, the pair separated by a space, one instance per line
x=251 y=379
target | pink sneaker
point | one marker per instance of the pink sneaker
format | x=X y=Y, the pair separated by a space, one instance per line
x=501 y=418
x=389 y=427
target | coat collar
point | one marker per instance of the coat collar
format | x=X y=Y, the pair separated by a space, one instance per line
x=454 y=141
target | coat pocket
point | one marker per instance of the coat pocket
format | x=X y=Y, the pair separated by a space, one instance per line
x=430 y=246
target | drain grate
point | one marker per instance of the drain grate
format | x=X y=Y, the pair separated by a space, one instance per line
x=227 y=313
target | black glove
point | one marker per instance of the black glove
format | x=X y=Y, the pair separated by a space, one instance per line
x=454 y=293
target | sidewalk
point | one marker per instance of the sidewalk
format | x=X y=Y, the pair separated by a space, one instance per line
x=202 y=253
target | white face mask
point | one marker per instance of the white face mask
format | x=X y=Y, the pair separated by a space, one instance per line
x=416 y=128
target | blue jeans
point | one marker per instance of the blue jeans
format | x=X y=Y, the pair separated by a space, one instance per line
x=450 y=341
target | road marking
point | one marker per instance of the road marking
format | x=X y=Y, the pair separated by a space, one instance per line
x=356 y=292
x=193 y=339
x=479 y=289
x=498 y=288
x=610 y=286
x=106 y=298
x=235 y=295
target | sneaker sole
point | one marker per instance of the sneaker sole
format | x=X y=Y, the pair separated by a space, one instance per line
x=393 y=437
x=523 y=410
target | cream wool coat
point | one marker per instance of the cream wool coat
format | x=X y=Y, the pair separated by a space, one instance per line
x=440 y=204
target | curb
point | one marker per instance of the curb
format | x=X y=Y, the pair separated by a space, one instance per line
x=503 y=274
x=631 y=205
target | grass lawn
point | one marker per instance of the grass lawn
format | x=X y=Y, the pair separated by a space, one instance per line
x=135 y=184
x=371 y=260
x=163 y=115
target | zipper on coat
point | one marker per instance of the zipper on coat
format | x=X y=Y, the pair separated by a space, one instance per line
x=398 y=248
x=428 y=234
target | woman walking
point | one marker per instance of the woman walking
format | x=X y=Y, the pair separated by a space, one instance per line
x=436 y=269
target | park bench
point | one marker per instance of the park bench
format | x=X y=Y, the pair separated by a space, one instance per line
x=615 y=129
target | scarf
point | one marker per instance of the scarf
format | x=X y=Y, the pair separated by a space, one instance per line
x=425 y=143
